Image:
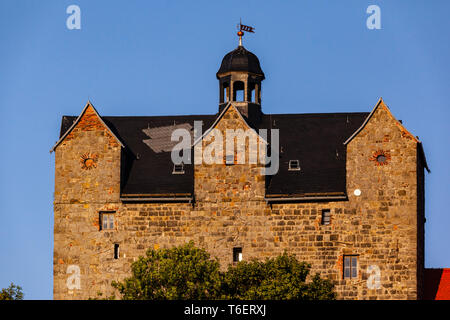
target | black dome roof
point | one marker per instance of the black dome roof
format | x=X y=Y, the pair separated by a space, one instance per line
x=240 y=59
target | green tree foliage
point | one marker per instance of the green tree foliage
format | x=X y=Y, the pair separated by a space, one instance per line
x=187 y=272
x=13 y=292
x=183 y=272
x=280 y=278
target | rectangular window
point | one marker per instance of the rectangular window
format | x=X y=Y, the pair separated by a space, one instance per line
x=326 y=216
x=116 y=251
x=350 y=267
x=294 y=165
x=229 y=159
x=178 y=169
x=237 y=254
x=106 y=220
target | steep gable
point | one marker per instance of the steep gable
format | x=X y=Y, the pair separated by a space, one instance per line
x=229 y=112
x=382 y=107
x=316 y=140
x=382 y=113
x=219 y=178
x=88 y=120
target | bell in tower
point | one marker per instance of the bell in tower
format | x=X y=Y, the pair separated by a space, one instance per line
x=240 y=77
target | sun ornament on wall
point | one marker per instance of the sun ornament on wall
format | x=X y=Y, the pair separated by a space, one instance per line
x=88 y=161
x=381 y=157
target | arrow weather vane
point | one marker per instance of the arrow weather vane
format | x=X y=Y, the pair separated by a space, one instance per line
x=241 y=27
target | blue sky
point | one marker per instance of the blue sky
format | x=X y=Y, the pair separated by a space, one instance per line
x=160 y=58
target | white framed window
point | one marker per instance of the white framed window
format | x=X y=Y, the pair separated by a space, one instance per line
x=294 y=165
x=106 y=220
x=178 y=169
x=350 y=267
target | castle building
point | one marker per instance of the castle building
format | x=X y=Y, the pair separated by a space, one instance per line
x=347 y=196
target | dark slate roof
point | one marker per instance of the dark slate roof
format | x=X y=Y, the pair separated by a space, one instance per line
x=316 y=140
x=146 y=170
x=240 y=59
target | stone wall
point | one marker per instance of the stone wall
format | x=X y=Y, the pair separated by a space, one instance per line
x=87 y=180
x=385 y=219
x=380 y=225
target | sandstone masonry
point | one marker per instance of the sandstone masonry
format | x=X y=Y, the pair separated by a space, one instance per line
x=382 y=227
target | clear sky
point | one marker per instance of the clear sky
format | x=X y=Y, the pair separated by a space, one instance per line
x=160 y=58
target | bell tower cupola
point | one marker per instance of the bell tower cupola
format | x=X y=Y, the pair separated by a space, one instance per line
x=240 y=78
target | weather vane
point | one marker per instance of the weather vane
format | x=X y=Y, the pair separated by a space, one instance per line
x=241 y=27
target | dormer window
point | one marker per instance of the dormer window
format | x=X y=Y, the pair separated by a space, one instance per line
x=294 y=165
x=178 y=169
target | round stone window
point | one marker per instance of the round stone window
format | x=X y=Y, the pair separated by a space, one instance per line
x=88 y=161
x=381 y=158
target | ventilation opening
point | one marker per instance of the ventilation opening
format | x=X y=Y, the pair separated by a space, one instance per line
x=326 y=217
x=116 y=251
x=237 y=254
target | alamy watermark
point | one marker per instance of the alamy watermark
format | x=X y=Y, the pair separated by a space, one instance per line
x=74 y=20
x=374 y=20
x=74 y=280
x=374 y=278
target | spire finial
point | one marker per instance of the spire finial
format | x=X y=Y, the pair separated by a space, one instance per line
x=240 y=34
x=243 y=28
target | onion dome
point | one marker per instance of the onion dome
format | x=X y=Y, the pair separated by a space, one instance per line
x=240 y=59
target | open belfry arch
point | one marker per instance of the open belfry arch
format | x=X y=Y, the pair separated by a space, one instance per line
x=348 y=196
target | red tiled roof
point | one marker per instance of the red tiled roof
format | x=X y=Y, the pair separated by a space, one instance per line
x=437 y=284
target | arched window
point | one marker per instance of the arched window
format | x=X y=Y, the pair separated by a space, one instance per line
x=238 y=91
x=252 y=92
